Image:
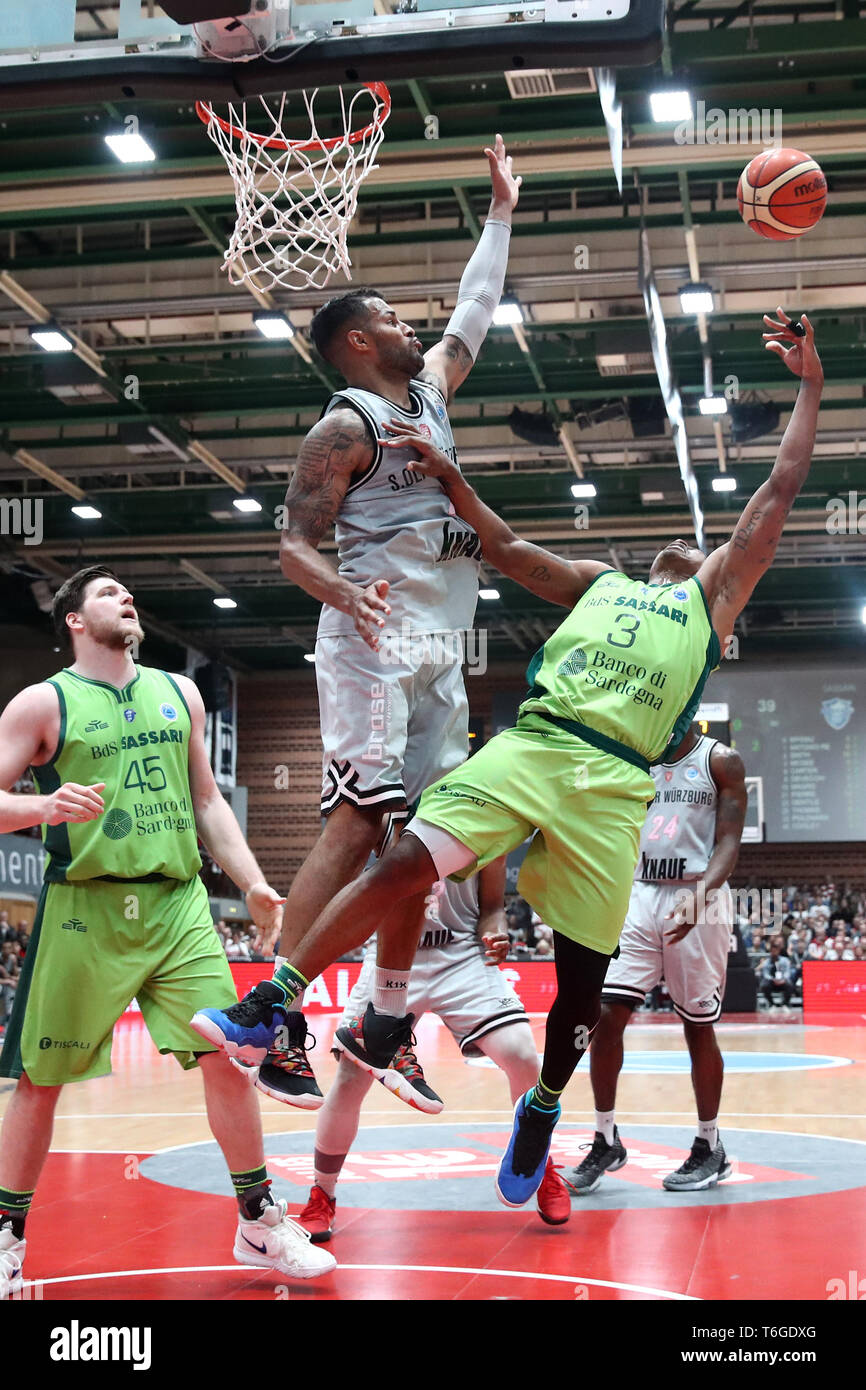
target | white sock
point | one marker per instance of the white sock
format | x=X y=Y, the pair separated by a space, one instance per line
x=604 y=1124
x=389 y=991
x=298 y=1006
x=709 y=1130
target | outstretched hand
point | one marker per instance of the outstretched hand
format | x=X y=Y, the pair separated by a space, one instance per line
x=797 y=351
x=506 y=188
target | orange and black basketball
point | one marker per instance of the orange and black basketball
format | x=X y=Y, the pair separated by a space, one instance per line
x=781 y=194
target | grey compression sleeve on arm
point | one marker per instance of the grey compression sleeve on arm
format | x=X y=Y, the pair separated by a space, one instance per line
x=481 y=287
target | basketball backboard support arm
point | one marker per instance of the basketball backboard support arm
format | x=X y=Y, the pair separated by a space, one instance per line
x=464 y=39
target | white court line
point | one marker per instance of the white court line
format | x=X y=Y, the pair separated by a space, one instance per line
x=444 y=1117
x=502 y=1124
x=651 y=1114
x=395 y=1269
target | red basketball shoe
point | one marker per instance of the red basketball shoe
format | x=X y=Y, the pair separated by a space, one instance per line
x=554 y=1202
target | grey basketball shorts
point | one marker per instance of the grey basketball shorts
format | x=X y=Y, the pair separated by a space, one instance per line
x=391 y=722
x=693 y=969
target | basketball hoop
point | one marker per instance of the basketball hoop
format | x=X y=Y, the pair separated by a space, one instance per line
x=294 y=198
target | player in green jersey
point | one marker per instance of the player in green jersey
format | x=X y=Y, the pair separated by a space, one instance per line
x=124 y=789
x=618 y=682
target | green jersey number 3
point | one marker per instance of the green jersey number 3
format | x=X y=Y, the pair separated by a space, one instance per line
x=626 y=625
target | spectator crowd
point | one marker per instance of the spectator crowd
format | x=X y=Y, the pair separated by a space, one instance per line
x=14 y=938
x=821 y=922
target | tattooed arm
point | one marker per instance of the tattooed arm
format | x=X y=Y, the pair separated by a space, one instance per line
x=730 y=574
x=448 y=364
x=334 y=449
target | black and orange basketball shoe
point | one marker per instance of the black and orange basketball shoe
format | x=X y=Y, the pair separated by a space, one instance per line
x=383 y=1046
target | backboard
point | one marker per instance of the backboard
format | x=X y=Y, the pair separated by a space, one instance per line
x=71 y=51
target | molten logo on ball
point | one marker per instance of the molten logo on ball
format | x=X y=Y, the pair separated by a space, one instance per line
x=781 y=194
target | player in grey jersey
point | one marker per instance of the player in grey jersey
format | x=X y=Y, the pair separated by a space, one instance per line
x=688 y=848
x=393 y=709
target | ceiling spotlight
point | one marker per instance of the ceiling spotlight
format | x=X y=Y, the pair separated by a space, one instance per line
x=87 y=513
x=507 y=311
x=697 y=299
x=129 y=148
x=488 y=593
x=583 y=489
x=246 y=504
x=671 y=106
x=50 y=338
x=713 y=405
x=309 y=656
x=223 y=601
x=273 y=326
x=724 y=483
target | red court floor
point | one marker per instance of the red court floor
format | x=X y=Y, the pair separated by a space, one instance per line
x=135 y=1204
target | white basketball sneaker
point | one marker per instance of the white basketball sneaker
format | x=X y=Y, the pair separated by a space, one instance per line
x=277 y=1242
x=11 y=1260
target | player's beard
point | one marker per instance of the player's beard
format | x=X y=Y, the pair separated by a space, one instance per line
x=405 y=358
x=117 y=636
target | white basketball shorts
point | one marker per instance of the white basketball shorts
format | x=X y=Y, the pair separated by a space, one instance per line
x=452 y=981
x=693 y=969
x=389 y=728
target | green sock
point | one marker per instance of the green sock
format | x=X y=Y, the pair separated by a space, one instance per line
x=251 y=1190
x=290 y=981
x=14 y=1207
x=542 y=1098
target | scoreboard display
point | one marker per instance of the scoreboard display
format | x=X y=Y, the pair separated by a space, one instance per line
x=801 y=733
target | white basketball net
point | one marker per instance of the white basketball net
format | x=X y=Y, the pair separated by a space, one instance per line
x=294 y=198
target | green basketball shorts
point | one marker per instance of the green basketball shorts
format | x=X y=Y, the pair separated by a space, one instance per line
x=94 y=947
x=587 y=807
